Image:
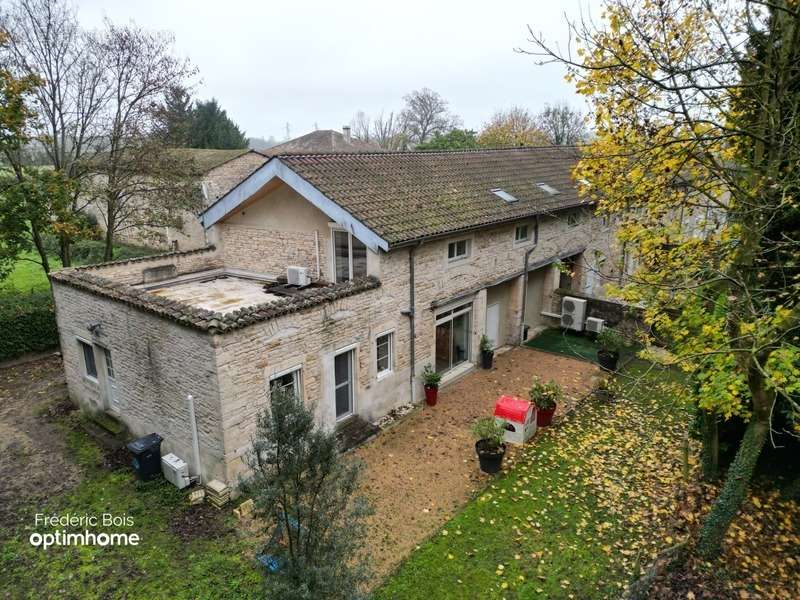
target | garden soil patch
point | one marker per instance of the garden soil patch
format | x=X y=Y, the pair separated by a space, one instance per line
x=420 y=472
x=32 y=449
x=201 y=521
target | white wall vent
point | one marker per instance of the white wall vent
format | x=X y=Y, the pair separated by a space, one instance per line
x=573 y=312
x=175 y=470
x=594 y=325
x=297 y=276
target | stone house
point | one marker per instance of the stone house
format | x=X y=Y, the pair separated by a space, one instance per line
x=411 y=258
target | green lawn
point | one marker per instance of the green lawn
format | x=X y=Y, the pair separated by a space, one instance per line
x=582 y=510
x=27 y=275
x=216 y=564
x=563 y=341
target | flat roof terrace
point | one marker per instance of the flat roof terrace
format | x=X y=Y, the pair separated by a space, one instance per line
x=219 y=293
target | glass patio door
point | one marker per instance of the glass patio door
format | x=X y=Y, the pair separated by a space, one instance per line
x=453 y=337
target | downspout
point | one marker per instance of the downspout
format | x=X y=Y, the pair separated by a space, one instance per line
x=195 y=439
x=411 y=314
x=524 y=293
x=316 y=250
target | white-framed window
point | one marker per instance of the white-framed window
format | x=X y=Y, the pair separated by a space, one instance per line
x=344 y=381
x=522 y=233
x=384 y=353
x=89 y=362
x=349 y=256
x=458 y=250
x=289 y=380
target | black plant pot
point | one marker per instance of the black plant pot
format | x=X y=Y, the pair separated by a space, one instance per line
x=490 y=460
x=607 y=359
x=487 y=358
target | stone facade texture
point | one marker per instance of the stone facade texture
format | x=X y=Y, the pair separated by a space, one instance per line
x=229 y=373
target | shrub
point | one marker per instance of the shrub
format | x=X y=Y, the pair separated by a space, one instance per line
x=27 y=323
x=545 y=395
x=430 y=377
x=486 y=344
x=487 y=428
x=307 y=497
x=610 y=340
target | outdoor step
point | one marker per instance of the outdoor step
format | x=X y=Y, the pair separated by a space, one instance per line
x=354 y=432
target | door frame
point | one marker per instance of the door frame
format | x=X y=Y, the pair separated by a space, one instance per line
x=111 y=404
x=496 y=342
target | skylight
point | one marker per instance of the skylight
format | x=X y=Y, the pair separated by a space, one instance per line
x=550 y=190
x=501 y=193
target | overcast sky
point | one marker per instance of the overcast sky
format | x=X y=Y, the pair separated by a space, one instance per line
x=317 y=63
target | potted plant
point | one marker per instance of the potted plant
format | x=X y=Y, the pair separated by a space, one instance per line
x=605 y=390
x=611 y=343
x=546 y=397
x=487 y=353
x=489 y=447
x=431 y=381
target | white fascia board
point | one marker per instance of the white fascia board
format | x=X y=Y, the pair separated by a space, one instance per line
x=275 y=168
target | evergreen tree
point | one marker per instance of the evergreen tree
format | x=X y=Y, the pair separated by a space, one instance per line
x=212 y=128
x=174 y=117
x=304 y=491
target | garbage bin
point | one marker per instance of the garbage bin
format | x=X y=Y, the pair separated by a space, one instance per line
x=146 y=453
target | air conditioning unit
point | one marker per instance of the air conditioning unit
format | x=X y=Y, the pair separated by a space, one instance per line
x=297 y=276
x=175 y=470
x=594 y=325
x=573 y=311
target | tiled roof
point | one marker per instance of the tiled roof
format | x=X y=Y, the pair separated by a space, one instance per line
x=206 y=320
x=407 y=196
x=206 y=159
x=322 y=140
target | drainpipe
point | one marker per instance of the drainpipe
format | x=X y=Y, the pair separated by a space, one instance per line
x=524 y=293
x=195 y=438
x=410 y=313
x=316 y=251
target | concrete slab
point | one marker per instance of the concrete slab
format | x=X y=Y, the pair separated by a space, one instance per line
x=222 y=294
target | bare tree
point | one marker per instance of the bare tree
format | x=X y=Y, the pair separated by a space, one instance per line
x=46 y=42
x=562 y=125
x=388 y=132
x=426 y=113
x=139 y=182
x=361 y=126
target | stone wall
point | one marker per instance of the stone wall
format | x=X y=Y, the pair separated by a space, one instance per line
x=269 y=251
x=219 y=180
x=247 y=358
x=157 y=363
x=132 y=271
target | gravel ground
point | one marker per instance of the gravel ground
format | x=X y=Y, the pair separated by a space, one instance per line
x=420 y=472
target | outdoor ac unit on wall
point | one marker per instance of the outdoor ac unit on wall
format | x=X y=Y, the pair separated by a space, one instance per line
x=297 y=276
x=573 y=311
x=594 y=325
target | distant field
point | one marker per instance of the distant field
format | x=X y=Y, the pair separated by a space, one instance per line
x=27 y=275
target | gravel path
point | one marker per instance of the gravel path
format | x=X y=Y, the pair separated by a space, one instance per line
x=420 y=472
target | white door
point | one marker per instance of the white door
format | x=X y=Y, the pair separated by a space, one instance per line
x=343 y=383
x=111 y=382
x=493 y=323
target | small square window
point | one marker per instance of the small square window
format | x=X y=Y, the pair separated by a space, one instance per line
x=289 y=382
x=573 y=219
x=521 y=233
x=458 y=250
x=89 y=364
x=384 y=353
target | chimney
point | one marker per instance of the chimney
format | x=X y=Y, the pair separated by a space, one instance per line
x=346 y=132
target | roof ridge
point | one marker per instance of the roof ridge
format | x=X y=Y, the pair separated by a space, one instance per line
x=432 y=152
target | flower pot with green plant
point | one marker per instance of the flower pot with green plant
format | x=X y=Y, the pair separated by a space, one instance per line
x=605 y=390
x=431 y=379
x=611 y=344
x=490 y=447
x=487 y=352
x=546 y=397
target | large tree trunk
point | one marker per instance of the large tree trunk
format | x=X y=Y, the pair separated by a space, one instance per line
x=110 y=225
x=37 y=241
x=737 y=480
x=65 y=252
x=710 y=452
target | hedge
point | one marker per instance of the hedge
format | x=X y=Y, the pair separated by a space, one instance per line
x=27 y=324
